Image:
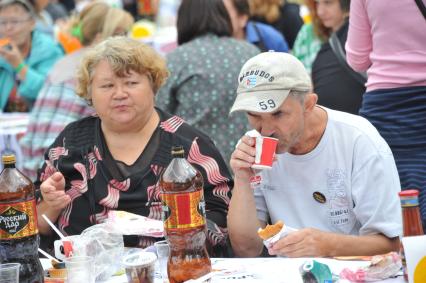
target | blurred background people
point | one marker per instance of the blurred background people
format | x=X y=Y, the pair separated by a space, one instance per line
x=264 y=36
x=25 y=62
x=57 y=11
x=391 y=48
x=44 y=21
x=336 y=87
x=113 y=161
x=282 y=15
x=57 y=104
x=203 y=68
x=309 y=38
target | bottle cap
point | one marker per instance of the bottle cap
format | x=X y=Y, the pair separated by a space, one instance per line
x=408 y=193
x=8 y=159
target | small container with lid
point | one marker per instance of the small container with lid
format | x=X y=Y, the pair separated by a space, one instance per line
x=140 y=266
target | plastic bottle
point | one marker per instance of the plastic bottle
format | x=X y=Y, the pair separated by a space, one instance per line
x=411 y=220
x=184 y=219
x=19 y=239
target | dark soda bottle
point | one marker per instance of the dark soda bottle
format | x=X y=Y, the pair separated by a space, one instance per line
x=184 y=219
x=19 y=238
x=411 y=220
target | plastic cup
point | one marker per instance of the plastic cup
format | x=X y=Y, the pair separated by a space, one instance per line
x=140 y=267
x=163 y=251
x=265 y=152
x=80 y=269
x=9 y=272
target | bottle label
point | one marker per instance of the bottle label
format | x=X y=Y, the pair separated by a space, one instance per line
x=18 y=220
x=183 y=210
x=409 y=202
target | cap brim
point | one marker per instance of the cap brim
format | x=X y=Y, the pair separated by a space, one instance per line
x=260 y=101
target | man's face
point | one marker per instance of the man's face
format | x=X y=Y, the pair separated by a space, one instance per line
x=286 y=124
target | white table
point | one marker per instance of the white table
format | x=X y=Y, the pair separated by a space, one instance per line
x=256 y=270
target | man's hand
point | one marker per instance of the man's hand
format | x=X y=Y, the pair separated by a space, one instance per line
x=243 y=158
x=307 y=242
x=13 y=55
x=53 y=192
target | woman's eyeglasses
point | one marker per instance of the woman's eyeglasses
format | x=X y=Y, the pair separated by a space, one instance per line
x=12 y=22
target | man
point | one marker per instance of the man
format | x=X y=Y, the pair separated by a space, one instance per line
x=334 y=178
x=264 y=36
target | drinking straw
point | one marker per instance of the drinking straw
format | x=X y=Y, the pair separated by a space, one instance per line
x=53 y=227
x=47 y=255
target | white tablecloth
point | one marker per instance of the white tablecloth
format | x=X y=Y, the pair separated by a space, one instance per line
x=256 y=270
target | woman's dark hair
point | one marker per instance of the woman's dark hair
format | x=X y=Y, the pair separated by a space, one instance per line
x=242 y=7
x=344 y=5
x=200 y=17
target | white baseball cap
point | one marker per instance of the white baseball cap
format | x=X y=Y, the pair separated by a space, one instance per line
x=266 y=80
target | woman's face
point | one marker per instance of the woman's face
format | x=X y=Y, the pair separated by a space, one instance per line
x=238 y=21
x=330 y=13
x=16 y=23
x=122 y=103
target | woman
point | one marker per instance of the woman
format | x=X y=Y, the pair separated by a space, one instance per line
x=282 y=15
x=24 y=63
x=391 y=48
x=309 y=38
x=112 y=161
x=57 y=104
x=44 y=21
x=336 y=87
x=203 y=69
x=264 y=36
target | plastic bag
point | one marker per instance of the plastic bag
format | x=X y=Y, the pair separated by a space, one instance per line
x=106 y=247
x=381 y=267
x=96 y=241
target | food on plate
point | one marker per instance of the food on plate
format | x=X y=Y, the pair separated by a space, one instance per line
x=270 y=230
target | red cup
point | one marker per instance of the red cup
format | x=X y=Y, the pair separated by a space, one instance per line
x=265 y=152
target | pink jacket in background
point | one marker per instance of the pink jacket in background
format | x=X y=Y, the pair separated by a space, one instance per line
x=388 y=39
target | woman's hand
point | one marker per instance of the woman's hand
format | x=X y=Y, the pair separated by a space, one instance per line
x=12 y=55
x=53 y=192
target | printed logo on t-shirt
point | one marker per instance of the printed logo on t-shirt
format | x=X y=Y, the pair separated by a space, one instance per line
x=255 y=181
x=339 y=205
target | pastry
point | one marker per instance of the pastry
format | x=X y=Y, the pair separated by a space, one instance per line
x=270 y=230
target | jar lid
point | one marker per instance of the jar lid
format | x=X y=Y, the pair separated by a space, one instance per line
x=8 y=159
x=139 y=259
x=409 y=193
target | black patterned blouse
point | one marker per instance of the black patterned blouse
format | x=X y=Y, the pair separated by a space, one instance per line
x=96 y=185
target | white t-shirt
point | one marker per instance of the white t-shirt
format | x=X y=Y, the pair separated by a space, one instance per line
x=351 y=172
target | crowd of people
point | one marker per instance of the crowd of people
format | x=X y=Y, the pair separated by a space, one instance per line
x=343 y=94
